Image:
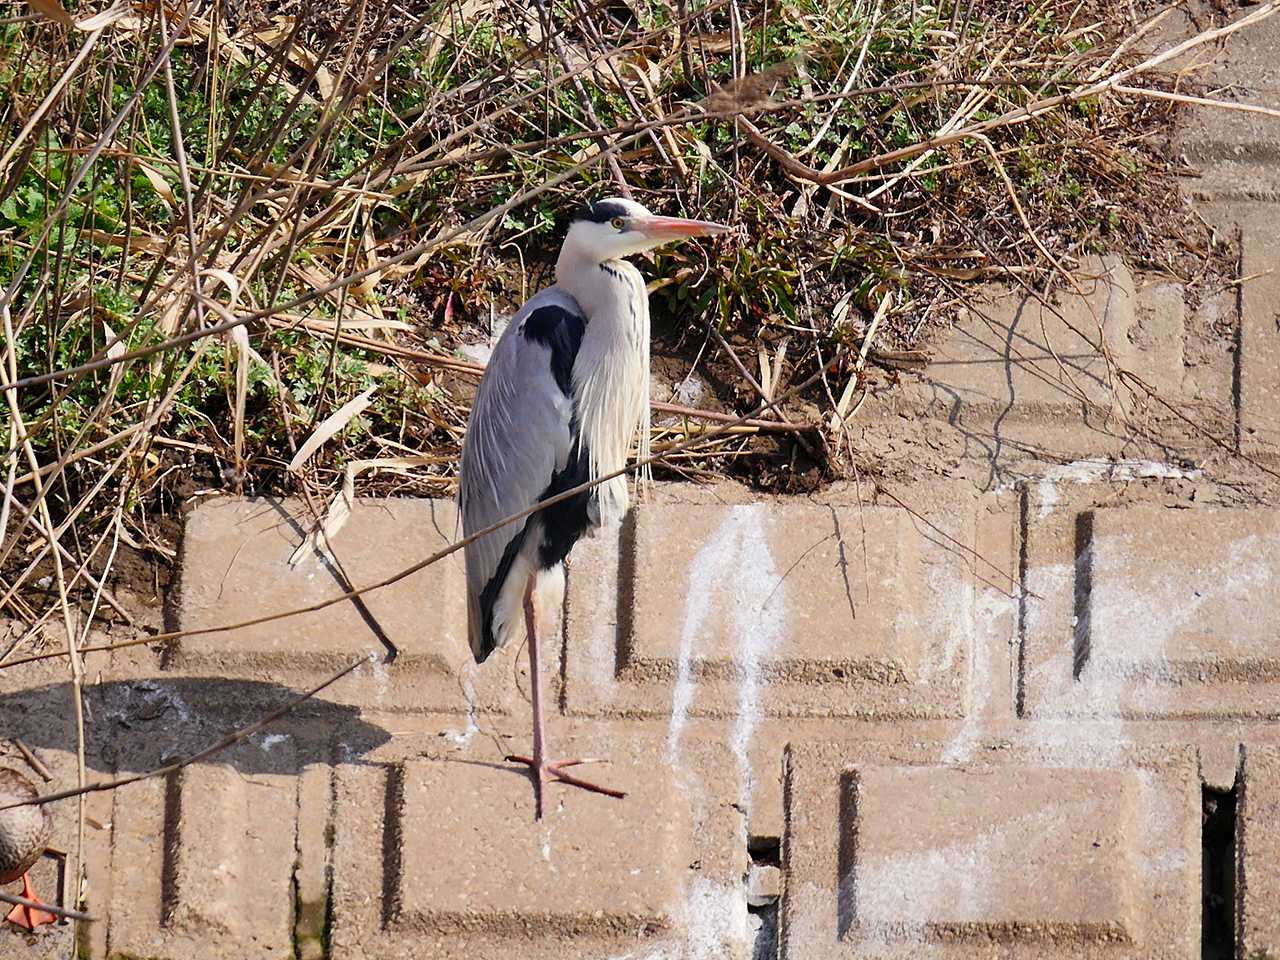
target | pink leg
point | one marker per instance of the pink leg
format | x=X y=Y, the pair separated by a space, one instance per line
x=535 y=695
x=538 y=762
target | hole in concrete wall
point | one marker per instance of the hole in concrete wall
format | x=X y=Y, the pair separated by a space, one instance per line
x=764 y=887
x=765 y=850
x=1218 y=874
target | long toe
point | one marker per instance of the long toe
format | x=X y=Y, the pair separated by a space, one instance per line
x=556 y=769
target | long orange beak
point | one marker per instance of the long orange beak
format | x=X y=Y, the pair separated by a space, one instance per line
x=673 y=228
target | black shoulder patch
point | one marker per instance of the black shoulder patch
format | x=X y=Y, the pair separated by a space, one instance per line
x=602 y=211
x=565 y=522
x=560 y=331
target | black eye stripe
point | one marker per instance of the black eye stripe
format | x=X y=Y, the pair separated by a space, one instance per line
x=602 y=211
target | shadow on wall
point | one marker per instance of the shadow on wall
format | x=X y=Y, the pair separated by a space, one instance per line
x=1021 y=375
x=137 y=725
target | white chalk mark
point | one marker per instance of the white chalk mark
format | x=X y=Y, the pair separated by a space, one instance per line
x=760 y=611
x=735 y=569
x=990 y=623
x=716 y=919
x=1104 y=471
x=467 y=680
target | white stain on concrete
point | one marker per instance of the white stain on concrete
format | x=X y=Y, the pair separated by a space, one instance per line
x=993 y=619
x=466 y=679
x=1198 y=591
x=949 y=618
x=381 y=679
x=1104 y=471
x=1091 y=732
x=715 y=923
x=759 y=618
x=734 y=575
x=897 y=896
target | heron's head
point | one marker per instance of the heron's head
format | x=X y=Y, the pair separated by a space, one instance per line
x=615 y=228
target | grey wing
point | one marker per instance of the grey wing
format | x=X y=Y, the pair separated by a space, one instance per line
x=518 y=436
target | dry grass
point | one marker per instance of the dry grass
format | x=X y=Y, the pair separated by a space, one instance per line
x=224 y=222
x=243 y=242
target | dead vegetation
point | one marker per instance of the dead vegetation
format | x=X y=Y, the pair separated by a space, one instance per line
x=244 y=243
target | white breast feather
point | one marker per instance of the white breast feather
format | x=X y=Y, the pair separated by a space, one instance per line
x=611 y=385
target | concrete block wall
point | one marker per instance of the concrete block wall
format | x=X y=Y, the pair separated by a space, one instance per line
x=1021 y=701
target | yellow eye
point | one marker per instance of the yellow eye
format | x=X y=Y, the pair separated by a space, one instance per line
x=617 y=223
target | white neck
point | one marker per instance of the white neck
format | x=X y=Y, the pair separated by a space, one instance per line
x=611 y=374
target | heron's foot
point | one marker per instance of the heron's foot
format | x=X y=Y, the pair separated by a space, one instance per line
x=28 y=918
x=554 y=769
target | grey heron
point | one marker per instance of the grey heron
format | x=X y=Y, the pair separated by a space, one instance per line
x=563 y=396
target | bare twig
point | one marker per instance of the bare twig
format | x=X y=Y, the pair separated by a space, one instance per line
x=57 y=911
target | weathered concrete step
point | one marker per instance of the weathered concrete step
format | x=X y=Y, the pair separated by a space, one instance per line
x=236 y=567
x=888 y=850
x=1109 y=365
x=773 y=610
x=766 y=612
x=1025 y=748
x=203 y=863
x=1136 y=610
x=441 y=856
x=1032 y=852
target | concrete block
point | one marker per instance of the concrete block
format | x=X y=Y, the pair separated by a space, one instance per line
x=580 y=871
x=820 y=603
x=1019 y=378
x=932 y=849
x=202 y=865
x=1188 y=588
x=773 y=610
x=1038 y=859
x=442 y=857
x=235 y=568
x=1140 y=611
x=1016 y=355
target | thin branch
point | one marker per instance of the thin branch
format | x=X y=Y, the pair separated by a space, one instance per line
x=57 y=911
